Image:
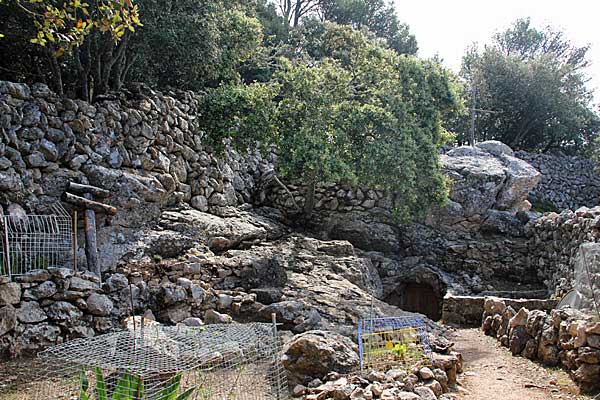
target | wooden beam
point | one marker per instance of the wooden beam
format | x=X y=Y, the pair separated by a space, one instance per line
x=83 y=189
x=88 y=204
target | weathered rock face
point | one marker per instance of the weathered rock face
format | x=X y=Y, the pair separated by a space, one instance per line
x=314 y=354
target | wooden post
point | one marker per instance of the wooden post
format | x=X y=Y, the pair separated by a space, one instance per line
x=75 y=241
x=473 y=110
x=87 y=203
x=276 y=352
x=91 y=247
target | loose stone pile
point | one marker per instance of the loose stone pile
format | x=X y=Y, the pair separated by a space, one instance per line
x=321 y=366
x=48 y=307
x=563 y=337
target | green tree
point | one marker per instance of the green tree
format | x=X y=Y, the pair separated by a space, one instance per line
x=531 y=84
x=378 y=16
x=86 y=38
x=191 y=44
x=363 y=115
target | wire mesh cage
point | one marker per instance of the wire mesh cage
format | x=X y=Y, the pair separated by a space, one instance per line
x=387 y=342
x=32 y=242
x=587 y=277
x=234 y=361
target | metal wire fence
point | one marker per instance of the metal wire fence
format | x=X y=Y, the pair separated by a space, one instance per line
x=234 y=361
x=388 y=342
x=32 y=242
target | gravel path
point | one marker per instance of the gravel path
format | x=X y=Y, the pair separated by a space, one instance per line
x=492 y=373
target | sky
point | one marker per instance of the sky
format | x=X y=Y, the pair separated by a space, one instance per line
x=447 y=28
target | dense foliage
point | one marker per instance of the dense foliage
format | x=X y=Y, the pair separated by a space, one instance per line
x=359 y=113
x=531 y=87
x=334 y=85
x=45 y=37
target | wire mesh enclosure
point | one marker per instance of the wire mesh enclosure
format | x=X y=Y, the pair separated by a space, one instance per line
x=587 y=278
x=234 y=361
x=32 y=242
x=388 y=342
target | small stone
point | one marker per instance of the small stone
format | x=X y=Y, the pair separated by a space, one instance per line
x=425 y=393
x=80 y=284
x=425 y=373
x=117 y=282
x=192 y=322
x=31 y=312
x=594 y=341
x=99 y=305
x=435 y=386
x=298 y=391
x=8 y=319
x=396 y=375
x=184 y=283
x=376 y=376
x=408 y=396
x=10 y=293
x=520 y=319
x=214 y=317
x=63 y=311
x=42 y=291
x=224 y=301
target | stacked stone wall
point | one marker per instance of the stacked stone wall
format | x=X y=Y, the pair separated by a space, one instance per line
x=568 y=182
x=561 y=337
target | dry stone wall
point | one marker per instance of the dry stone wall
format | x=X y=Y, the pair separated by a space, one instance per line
x=567 y=182
x=554 y=242
x=561 y=337
x=141 y=145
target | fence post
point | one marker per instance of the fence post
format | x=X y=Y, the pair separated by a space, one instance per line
x=276 y=354
x=75 y=241
x=6 y=243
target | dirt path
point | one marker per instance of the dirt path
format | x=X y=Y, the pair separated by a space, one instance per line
x=492 y=373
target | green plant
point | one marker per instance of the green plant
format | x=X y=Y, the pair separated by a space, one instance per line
x=543 y=206
x=131 y=387
x=399 y=350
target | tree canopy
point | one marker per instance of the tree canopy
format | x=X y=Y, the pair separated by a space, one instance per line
x=359 y=113
x=530 y=84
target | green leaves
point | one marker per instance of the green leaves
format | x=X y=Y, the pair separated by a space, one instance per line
x=100 y=385
x=83 y=385
x=360 y=114
x=533 y=84
x=65 y=25
x=131 y=387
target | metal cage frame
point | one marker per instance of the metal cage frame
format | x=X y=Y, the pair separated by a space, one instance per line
x=211 y=362
x=392 y=330
x=35 y=241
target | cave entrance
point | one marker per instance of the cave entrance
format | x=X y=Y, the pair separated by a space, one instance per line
x=421 y=298
x=418 y=297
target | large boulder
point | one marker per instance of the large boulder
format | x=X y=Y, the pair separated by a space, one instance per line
x=488 y=177
x=477 y=177
x=314 y=354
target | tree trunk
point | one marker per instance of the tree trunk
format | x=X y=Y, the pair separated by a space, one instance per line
x=56 y=73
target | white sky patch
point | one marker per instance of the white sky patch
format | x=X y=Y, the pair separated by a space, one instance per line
x=447 y=28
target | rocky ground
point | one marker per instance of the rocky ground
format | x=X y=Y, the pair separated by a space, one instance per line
x=491 y=372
